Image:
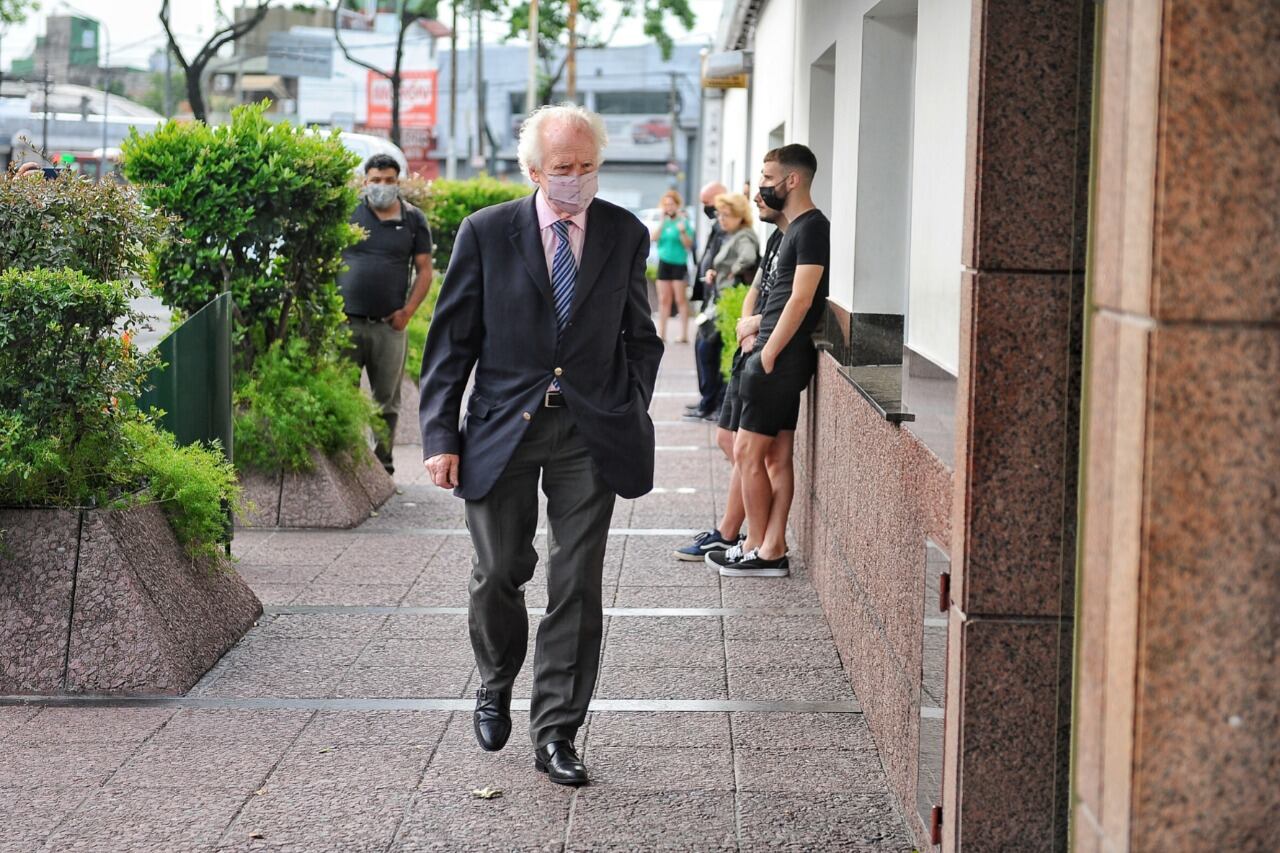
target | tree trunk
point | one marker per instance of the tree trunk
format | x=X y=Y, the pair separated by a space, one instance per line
x=194 y=96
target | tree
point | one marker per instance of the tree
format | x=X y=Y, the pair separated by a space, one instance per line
x=16 y=11
x=194 y=68
x=410 y=11
x=553 y=29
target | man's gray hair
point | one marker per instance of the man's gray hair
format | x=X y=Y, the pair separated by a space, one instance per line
x=529 y=149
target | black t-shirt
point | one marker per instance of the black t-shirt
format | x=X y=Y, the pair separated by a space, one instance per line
x=807 y=241
x=380 y=267
x=768 y=269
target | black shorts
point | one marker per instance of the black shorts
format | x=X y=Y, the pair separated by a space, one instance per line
x=731 y=409
x=672 y=272
x=771 y=401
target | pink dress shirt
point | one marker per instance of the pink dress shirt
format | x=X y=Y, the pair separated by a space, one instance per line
x=577 y=231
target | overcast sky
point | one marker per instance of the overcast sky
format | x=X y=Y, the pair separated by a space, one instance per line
x=134 y=29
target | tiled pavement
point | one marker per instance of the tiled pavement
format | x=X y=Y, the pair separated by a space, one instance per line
x=722 y=719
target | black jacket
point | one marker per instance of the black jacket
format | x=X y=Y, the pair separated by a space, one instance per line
x=496 y=313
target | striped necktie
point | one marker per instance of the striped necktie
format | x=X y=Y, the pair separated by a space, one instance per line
x=564 y=272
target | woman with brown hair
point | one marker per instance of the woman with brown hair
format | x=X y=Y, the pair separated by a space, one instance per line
x=674 y=236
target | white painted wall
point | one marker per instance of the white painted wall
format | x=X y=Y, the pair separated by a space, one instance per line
x=882 y=240
x=790 y=37
x=937 y=209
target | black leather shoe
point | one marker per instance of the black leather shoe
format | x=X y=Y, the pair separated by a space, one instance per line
x=561 y=763
x=492 y=719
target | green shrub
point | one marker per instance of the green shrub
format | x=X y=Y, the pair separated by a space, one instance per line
x=264 y=211
x=728 y=312
x=193 y=484
x=294 y=403
x=417 y=329
x=65 y=367
x=447 y=203
x=99 y=229
x=70 y=435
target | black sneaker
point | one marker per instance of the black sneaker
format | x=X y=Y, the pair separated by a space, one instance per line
x=709 y=542
x=752 y=565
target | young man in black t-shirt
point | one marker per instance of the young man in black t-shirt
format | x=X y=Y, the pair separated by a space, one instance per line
x=725 y=536
x=781 y=363
x=376 y=294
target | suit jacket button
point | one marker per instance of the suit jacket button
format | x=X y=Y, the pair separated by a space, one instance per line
x=527 y=416
x=558 y=372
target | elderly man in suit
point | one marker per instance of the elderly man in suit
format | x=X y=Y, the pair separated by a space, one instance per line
x=546 y=298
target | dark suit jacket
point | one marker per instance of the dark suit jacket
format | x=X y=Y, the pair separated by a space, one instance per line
x=496 y=312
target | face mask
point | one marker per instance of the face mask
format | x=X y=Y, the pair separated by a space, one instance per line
x=572 y=193
x=709 y=210
x=381 y=196
x=769 y=195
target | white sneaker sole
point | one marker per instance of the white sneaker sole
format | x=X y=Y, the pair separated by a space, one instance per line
x=732 y=571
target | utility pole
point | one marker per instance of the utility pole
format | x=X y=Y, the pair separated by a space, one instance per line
x=44 y=111
x=674 y=123
x=451 y=161
x=106 y=93
x=480 y=105
x=571 y=86
x=168 y=82
x=531 y=96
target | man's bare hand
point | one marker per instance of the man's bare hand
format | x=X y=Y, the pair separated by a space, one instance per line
x=398 y=320
x=443 y=468
x=748 y=327
x=28 y=169
x=748 y=343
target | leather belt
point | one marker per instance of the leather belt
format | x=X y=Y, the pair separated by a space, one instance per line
x=553 y=400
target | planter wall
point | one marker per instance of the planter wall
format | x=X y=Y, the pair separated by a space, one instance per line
x=96 y=601
x=337 y=492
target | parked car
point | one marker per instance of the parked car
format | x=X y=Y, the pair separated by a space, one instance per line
x=366 y=145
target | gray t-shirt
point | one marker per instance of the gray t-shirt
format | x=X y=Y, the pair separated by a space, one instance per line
x=380 y=267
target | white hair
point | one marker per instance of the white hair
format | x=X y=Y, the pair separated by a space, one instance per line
x=529 y=149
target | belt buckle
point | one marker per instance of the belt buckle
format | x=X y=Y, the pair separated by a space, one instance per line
x=547 y=400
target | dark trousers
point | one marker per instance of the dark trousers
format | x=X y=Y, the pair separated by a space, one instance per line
x=706 y=355
x=503 y=525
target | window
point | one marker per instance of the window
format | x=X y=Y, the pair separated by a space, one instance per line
x=633 y=103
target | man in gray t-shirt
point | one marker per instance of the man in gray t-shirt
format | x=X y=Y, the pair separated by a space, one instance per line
x=375 y=287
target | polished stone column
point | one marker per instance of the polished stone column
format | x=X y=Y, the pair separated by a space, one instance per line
x=1176 y=713
x=1013 y=527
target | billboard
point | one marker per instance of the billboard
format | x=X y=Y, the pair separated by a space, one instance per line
x=417 y=99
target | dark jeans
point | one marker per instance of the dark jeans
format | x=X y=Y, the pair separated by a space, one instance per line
x=706 y=355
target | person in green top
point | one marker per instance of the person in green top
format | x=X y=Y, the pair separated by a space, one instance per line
x=674 y=237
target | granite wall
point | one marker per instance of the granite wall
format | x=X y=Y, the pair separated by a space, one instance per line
x=96 y=601
x=868 y=495
x=1017 y=451
x=1178 y=704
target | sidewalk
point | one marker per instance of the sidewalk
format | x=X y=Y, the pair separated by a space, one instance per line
x=722 y=719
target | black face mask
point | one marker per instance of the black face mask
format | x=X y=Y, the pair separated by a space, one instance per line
x=709 y=210
x=769 y=195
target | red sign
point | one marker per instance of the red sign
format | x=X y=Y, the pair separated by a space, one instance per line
x=417 y=99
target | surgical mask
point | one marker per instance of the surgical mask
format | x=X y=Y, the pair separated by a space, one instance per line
x=572 y=193
x=381 y=196
x=709 y=210
x=769 y=195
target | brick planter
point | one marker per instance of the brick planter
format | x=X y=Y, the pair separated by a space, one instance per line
x=337 y=492
x=97 y=601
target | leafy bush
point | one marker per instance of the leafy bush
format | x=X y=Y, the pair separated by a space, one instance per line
x=447 y=203
x=69 y=433
x=264 y=211
x=295 y=403
x=99 y=229
x=728 y=312
x=417 y=329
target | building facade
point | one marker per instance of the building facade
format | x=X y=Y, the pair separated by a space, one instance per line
x=1037 y=477
x=651 y=107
